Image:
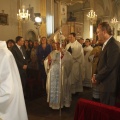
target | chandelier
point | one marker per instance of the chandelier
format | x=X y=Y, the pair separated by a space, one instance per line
x=92 y=16
x=114 y=21
x=23 y=15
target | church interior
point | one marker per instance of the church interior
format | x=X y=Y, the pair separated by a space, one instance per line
x=33 y=19
x=56 y=15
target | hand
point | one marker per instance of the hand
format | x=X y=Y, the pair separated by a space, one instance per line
x=96 y=54
x=94 y=80
x=61 y=50
x=49 y=62
x=49 y=59
x=24 y=67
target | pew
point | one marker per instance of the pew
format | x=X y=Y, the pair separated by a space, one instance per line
x=90 y=110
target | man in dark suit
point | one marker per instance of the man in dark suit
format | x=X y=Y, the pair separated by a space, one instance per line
x=107 y=74
x=20 y=56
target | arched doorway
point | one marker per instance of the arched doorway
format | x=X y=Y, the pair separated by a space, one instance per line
x=31 y=35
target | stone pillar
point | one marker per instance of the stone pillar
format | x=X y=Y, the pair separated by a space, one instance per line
x=92 y=4
x=58 y=19
x=50 y=17
x=86 y=25
x=118 y=32
x=20 y=32
x=59 y=14
x=43 y=13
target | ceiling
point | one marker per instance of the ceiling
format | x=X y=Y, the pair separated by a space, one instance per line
x=71 y=2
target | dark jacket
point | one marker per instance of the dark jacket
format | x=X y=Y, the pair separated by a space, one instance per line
x=20 y=60
x=108 y=67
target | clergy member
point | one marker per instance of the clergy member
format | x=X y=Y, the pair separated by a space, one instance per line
x=58 y=64
x=88 y=66
x=12 y=105
x=77 y=72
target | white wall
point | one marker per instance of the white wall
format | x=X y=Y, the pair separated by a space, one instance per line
x=10 y=7
x=86 y=33
x=9 y=31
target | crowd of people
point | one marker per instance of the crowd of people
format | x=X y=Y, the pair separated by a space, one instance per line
x=65 y=68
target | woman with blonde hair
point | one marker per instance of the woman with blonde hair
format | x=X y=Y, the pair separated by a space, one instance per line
x=43 y=51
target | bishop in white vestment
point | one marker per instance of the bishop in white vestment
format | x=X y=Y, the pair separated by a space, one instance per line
x=58 y=65
x=12 y=105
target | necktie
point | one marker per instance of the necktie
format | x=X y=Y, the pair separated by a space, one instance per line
x=22 y=52
x=103 y=47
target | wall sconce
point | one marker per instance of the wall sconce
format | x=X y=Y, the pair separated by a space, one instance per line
x=38 y=22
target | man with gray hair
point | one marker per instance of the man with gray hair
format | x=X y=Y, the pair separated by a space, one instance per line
x=107 y=73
